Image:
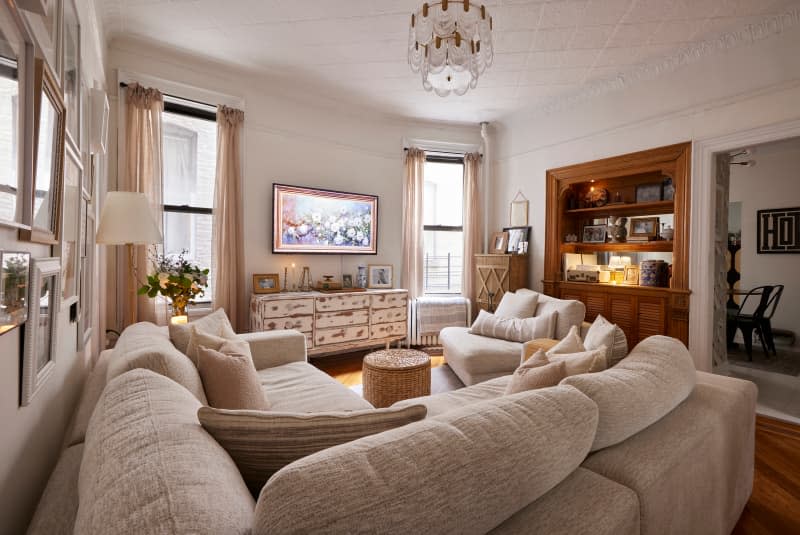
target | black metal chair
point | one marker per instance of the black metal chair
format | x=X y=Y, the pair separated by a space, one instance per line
x=748 y=322
x=766 y=322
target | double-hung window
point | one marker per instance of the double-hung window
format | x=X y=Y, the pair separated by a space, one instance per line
x=190 y=158
x=443 y=223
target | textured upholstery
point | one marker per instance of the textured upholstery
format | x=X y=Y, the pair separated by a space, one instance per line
x=145 y=345
x=447 y=401
x=149 y=467
x=263 y=442
x=229 y=377
x=513 y=329
x=604 y=333
x=58 y=505
x=569 y=312
x=693 y=469
x=273 y=348
x=474 y=358
x=95 y=383
x=216 y=324
x=300 y=387
x=656 y=376
x=530 y=376
x=591 y=361
x=462 y=472
x=198 y=338
x=517 y=305
x=585 y=503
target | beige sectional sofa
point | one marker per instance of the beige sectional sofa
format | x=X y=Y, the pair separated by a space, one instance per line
x=475 y=358
x=653 y=447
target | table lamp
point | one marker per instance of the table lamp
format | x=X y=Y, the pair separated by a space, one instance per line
x=127 y=220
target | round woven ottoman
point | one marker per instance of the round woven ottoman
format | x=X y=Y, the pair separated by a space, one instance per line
x=391 y=375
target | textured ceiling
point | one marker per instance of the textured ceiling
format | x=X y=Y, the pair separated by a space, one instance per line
x=355 y=50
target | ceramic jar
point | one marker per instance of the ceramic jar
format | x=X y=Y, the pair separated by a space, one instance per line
x=654 y=273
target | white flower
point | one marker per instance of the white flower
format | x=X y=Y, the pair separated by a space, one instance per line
x=367 y=218
x=338 y=240
x=359 y=235
x=195 y=286
x=356 y=221
x=316 y=217
x=365 y=242
x=303 y=229
x=163 y=279
x=336 y=226
x=351 y=233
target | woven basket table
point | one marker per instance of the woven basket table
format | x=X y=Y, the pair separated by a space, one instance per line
x=391 y=375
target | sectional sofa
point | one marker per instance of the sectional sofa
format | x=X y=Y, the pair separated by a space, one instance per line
x=649 y=446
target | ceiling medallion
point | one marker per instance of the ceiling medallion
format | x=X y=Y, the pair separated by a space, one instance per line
x=450 y=44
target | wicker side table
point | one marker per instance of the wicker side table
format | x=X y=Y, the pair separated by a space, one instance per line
x=391 y=375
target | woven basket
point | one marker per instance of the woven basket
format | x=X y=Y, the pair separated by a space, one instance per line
x=392 y=375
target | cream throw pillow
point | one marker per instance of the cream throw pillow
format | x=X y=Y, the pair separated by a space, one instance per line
x=517 y=305
x=230 y=379
x=199 y=338
x=532 y=375
x=216 y=323
x=585 y=362
x=261 y=443
x=604 y=333
x=514 y=329
x=571 y=343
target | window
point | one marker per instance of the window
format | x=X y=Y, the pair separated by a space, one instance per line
x=443 y=223
x=190 y=158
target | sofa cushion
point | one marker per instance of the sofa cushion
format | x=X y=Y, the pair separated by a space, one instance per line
x=513 y=329
x=95 y=383
x=300 y=387
x=229 y=378
x=517 y=305
x=58 y=506
x=465 y=471
x=149 y=467
x=261 y=443
x=198 y=337
x=604 y=333
x=476 y=358
x=531 y=375
x=145 y=345
x=570 y=312
x=571 y=343
x=447 y=401
x=657 y=375
x=592 y=361
x=216 y=323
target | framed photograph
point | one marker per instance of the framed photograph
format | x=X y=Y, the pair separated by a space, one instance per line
x=71 y=225
x=43 y=21
x=38 y=358
x=498 y=243
x=516 y=235
x=594 y=233
x=380 y=276
x=86 y=279
x=71 y=73
x=648 y=192
x=14 y=273
x=631 y=275
x=48 y=159
x=347 y=280
x=308 y=220
x=266 y=283
x=644 y=227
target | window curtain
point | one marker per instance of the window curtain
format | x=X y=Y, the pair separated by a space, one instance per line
x=143 y=174
x=228 y=232
x=473 y=226
x=413 y=213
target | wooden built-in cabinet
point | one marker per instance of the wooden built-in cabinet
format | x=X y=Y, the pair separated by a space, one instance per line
x=497 y=274
x=334 y=323
x=641 y=311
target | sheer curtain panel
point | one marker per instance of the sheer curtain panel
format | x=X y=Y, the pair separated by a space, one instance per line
x=413 y=212
x=473 y=225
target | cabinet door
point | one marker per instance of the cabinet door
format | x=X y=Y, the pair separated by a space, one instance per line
x=622 y=311
x=652 y=316
x=491 y=276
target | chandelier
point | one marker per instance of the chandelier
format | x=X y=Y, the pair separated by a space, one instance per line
x=450 y=44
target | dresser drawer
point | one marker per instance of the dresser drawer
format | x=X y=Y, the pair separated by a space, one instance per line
x=280 y=308
x=386 y=330
x=389 y=315
x=342 y=302
x=342 y=318
x=340 y=335
x=392 y=300
x=298 y=323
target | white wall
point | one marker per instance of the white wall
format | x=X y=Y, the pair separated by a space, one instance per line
x=729 y=91
x=294 y=142
x=772 y=183
x=31 y=436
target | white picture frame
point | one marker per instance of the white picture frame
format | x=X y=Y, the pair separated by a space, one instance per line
x=380 y=276
x=41 y=330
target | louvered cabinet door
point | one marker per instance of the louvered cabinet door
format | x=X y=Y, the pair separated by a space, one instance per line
x=652 y=316
x=622 y=311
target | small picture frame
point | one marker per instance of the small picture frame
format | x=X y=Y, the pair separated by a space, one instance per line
x=594 y=234
x=14 y=274
x=380 y=276
x=644 y=227
x=516 y=235
x=648 y=192
x=347 y=281
x=266 y=283
x=498 y=243
x=631 y=275
x=38 y=360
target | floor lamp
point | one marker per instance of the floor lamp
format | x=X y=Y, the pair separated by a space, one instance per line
x=127 y=220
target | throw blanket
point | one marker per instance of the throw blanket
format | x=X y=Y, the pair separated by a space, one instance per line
x=436 y=313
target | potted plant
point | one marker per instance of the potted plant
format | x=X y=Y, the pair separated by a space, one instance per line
x=178 y=279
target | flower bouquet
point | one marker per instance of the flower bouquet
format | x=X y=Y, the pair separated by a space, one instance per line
x=176 y=278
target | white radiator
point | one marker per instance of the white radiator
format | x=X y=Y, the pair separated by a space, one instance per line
x=417 y=339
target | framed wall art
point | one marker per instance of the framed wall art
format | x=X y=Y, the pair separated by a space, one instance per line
x=648 y=192
x=645 y=227
x=778 y=231
x=71 y=225
x=86 y=278
x=14 y=274
x=39 y=355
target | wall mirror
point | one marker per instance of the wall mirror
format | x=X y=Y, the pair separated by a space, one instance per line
x=518 y=212
x=40 y=332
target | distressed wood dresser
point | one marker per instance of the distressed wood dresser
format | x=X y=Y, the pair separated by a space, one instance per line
x=335 y=323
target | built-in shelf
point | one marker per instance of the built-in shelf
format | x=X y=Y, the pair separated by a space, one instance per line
x=659 y=246
x=637 y=209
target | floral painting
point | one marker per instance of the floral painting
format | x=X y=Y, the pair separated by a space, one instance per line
x=308 y=220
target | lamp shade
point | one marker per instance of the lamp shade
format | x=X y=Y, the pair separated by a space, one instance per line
x=127 y=218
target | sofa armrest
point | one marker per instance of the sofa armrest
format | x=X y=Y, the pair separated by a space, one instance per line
x=273 y=348
x=585 y=329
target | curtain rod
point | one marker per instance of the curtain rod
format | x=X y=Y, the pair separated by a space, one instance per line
x=445 y=152
x=124 y=84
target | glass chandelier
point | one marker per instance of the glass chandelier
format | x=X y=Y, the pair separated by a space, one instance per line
x=450 y=44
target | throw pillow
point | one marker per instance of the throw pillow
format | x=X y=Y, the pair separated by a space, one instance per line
x=585 y=362
x=571 y=343
x=517 y=305
x=513 y=329
x=261 y=443
x=229 y=378
x=604 y=333
x=530 y=376
x=216 y=323
x=532 y=346
x=199 y=338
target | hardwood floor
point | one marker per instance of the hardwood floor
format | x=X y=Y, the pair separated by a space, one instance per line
x=774 y=507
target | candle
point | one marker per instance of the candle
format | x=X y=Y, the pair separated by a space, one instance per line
x=179 y=320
